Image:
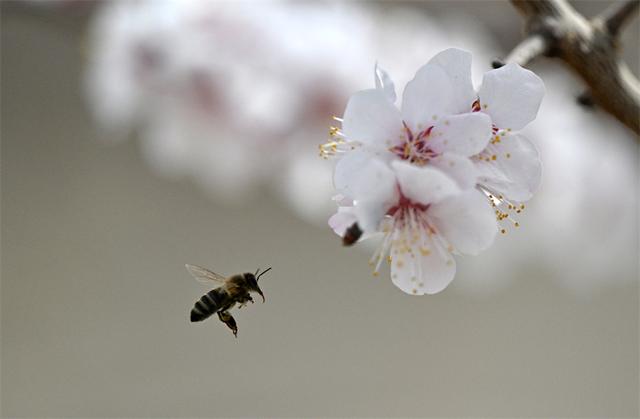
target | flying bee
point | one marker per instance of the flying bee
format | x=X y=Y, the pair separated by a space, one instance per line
x=234 y=290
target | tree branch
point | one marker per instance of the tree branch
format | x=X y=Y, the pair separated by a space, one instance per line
x=618 y=15
x=590 y=48
x=528 y=49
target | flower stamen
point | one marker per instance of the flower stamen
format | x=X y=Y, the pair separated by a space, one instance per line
x=414 y=148
x=336 y=144
x=504 y=208
x=408 y=233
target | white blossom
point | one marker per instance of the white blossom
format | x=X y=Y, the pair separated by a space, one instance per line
x=422 y=173
x=442 y=118
x=424 y=216
x=509 y=167
x=581 y=228
x=428 y=129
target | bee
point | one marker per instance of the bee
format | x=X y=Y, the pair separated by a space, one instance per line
x=352 y=235
x=234 y=290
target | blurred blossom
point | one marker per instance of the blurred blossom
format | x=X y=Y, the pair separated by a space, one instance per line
x=588 y=206
x=215 y=89
x=236 y=94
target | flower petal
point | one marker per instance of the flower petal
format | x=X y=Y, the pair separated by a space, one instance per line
x=426 y=270
x=347 y=170
x=427 y=97
x=425 y=185
x=342 y=200
x=384 y=83
x=371 y=118
x=459 y=168
x=374 y=192
x=511 y=95
x=465 y=134
x=516 y=171
x=342 y=220
x=466 y=221
x=457 y=64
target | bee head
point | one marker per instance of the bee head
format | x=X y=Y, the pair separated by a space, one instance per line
x=252 y=281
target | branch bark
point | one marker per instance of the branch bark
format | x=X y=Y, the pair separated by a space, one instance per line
x=532 y=46
x=618 y=16
x=589 y=47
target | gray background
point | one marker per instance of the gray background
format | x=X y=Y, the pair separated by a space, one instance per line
x=95 y=298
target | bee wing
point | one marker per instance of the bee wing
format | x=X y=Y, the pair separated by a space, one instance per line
x=204 y=275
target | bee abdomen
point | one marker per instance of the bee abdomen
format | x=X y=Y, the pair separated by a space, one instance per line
x=208 y=304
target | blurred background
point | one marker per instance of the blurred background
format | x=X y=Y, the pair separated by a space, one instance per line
x=140 y=136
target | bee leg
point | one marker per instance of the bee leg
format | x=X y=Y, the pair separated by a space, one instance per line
x=244 y=300
x=228 y=319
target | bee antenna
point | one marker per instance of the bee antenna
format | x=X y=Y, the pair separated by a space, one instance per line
x=262 y=273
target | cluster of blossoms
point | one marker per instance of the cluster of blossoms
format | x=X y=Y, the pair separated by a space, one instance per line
x=441 y=175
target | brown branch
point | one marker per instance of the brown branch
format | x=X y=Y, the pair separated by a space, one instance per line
x=617 y=16
x=530 y=47
x=590 y=48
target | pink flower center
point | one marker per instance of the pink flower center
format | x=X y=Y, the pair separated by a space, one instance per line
x=475 y=107
x=415 y=147
x=405 y=204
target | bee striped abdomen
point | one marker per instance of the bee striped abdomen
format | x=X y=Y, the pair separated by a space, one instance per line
x=208 y=304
